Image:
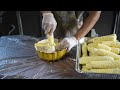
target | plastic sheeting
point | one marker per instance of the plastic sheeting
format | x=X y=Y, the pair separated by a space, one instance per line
x=18 y=60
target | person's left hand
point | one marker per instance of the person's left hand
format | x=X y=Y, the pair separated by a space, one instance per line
x=68 y=43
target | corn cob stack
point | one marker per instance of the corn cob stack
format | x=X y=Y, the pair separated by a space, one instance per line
x=103 y=55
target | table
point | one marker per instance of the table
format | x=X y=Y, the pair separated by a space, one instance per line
x=18 y=60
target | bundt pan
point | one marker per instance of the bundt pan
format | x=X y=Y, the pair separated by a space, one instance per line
x=41 y=46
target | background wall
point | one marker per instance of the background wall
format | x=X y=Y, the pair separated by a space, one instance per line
x=105 y=25
x=31 y=21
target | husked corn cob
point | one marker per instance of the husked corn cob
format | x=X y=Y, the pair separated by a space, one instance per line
x=99 y=46
x=108 y=43
x=102 y=46
x=103 y=64
x=107 y=71
x=112 y=37
x=94 y=45
x=84 y=49
x=84 y=66
x=90 y=49
x=115 y=44
x=102 y=52
x=84 y=69
x=115 y=50
x=92 y=54
x=85 y=60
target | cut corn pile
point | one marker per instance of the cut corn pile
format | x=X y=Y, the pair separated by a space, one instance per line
x=101 y=55
x=47 y=45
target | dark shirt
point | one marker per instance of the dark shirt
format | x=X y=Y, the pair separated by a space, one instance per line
x=68 y=22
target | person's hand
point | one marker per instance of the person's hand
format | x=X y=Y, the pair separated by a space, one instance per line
x=68 y=43
x=49 y=23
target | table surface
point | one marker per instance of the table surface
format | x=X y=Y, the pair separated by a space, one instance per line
x=18 y=60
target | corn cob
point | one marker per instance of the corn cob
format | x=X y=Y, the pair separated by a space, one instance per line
x=108 y=43
x=84 y=66
x=85 y=60
x=116 y=44
x=84 y=69
x=84 y=49
x=103 y=64
x=102 y=46
x=92 y=54
x=103 y=71
x=112 y=37
x=112 y=44
x=99 y=46
x=92 y=45
x=115 y=50
x=102 y=52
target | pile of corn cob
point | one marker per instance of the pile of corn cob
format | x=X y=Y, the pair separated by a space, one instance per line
x=101 y=55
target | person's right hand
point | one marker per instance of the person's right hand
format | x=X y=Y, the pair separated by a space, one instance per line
x=49 y=23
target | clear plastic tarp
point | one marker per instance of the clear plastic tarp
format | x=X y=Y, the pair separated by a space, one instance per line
x=18 y=59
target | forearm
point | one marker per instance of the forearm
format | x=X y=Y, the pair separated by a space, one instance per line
x=88 y=24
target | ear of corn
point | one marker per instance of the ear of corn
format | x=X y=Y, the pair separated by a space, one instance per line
x=92 y=54
x=103 y=64
x=85 y=69
x=102 y=52
x=99 y=46
x=102 y=46
x=84 y=49
x=108 y=71
x=108 y=43
x=115 y=50
x=116 y=44
x=85 y=60
x=94 y=45
x=112 y=43
x=112 y=37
